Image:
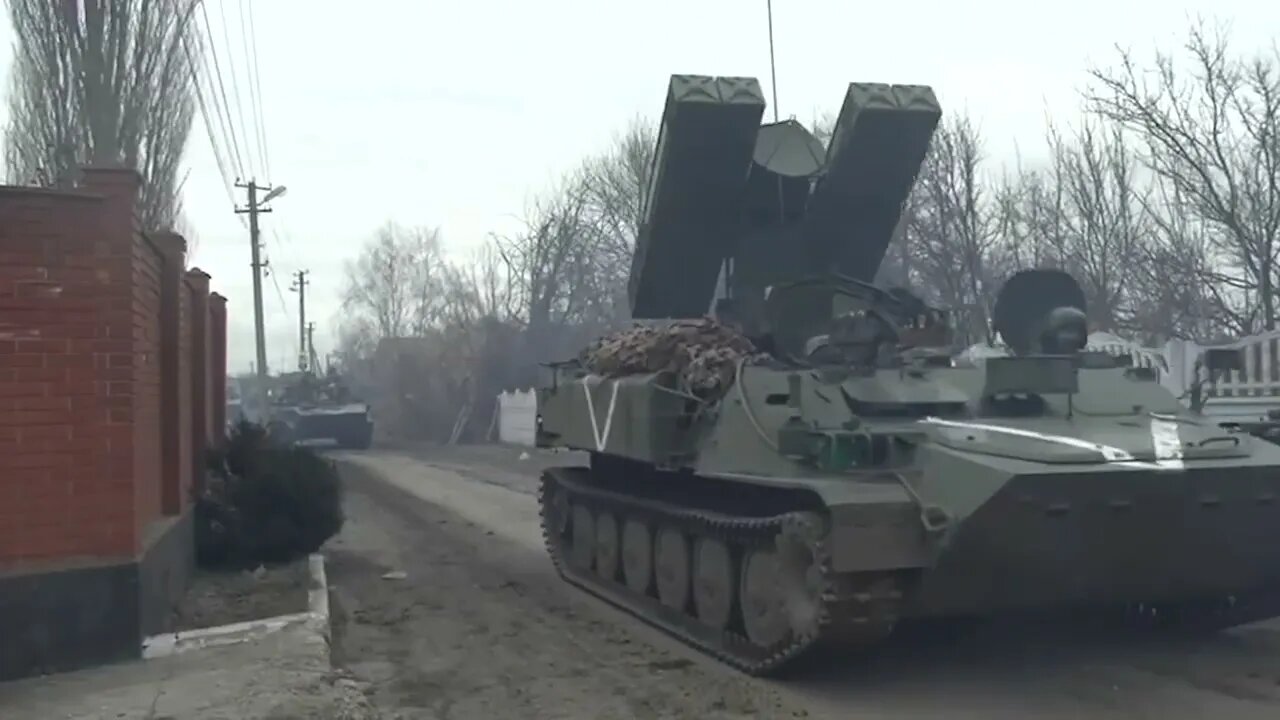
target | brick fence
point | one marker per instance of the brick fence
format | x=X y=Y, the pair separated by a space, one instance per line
x=112 y=367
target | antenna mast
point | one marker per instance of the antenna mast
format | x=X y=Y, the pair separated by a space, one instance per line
x=773 y=68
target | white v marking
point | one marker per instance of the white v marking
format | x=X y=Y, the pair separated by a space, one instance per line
x=601 y=438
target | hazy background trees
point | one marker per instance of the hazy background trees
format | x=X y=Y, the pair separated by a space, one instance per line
x=103 y=82
x=1162 y=197
x=528 y=296
x=395 y=283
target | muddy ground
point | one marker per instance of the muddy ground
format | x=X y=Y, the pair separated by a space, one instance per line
x=475 y=631
x=478 y=626
x=225 y=597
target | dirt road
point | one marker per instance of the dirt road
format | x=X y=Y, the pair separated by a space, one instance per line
x=480 y=627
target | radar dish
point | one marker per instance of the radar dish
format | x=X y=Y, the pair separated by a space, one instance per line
x=788 y=149
x=1027 y=298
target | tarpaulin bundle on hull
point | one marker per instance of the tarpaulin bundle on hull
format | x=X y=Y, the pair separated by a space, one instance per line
x=703 y=354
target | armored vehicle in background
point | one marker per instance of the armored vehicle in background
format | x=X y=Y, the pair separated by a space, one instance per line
x=810 y=465
x=314 y=408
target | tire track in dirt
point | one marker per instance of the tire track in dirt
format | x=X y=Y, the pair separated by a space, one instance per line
x=477 y=629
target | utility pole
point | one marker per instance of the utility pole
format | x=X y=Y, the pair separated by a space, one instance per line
x=299 y=286
x=311 y=346
x=253 y=209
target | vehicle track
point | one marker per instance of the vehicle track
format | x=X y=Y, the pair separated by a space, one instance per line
x=841 y=610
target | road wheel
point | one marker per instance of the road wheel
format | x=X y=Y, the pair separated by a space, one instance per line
x=637 y=555
x=764 y=607
x=671 y=561
x=713 y=582
x=606 y=546
x=583 y=550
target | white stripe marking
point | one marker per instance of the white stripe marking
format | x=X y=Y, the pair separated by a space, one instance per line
x=601 y=438
x=1167 y=444
x=1167 y=458
x=1111 y=454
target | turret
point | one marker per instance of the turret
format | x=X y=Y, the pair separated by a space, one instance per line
x=747 y=207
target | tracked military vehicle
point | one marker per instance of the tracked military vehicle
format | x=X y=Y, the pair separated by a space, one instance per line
x=314 y=408
x=809 y=465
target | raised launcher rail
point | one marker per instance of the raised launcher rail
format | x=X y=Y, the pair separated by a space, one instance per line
x=750 y=206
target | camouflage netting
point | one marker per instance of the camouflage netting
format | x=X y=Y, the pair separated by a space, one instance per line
x=703 y=354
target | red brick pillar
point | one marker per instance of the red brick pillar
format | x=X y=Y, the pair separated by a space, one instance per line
x=173 y=251
x=198 y=281
x=218 y=366
x=124 y=370
x=117 y=183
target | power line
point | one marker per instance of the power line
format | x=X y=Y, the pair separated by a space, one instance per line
x=255 y=113
x=284 y=306
x=219 y=154
x=225 y=116
x=282 y=247
x=235 y=84
x=284 y=239
x=257 y=74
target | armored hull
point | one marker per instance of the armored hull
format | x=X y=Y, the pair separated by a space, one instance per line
x=981 y=516
x=346 y=425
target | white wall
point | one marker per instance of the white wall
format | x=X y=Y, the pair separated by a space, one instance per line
x=517 y=417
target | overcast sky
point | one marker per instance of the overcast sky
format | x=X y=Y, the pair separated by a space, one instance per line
x=452 y=114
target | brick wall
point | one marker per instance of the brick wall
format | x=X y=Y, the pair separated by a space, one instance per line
x=106 y=373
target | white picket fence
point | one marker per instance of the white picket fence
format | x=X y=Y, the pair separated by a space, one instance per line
x=517 y=417
x=1246 y=394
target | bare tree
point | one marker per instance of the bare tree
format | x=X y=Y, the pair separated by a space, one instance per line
x=441 y=383
x=394 y=282
x=550 y=264
x=953 y=229
x=822 y=126
x=475 y=289
x=570 y=263
x=481 y=346
x=1214 y=137
x=1170 y=296
x=616 y=183
x=101 y=82
x=356 y=342
x=1096 y=221
x=1032 y=206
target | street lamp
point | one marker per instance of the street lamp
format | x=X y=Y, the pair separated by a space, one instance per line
x=275 y=193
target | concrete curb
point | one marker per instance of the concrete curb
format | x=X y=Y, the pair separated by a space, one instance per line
x=315 y=619
x=318 y=601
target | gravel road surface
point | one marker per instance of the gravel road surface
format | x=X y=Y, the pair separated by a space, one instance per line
x=472 y=623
